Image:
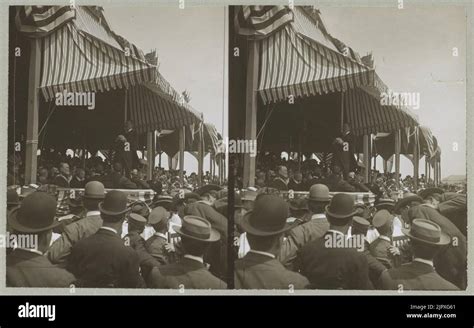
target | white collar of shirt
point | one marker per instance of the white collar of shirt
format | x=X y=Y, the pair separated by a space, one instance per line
x=195 y=258
x=110 y=229
x=32 y=250
x=417 y=259
x=262 y=253
x=162 y=235
x=90 y=213
x=335 y=231
x=385 y=238
x=318 y=216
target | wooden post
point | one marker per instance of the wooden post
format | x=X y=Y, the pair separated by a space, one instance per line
x=426 y=169
x=150 y=154
x=31 y=149
x=416 y=159
x=201 y=152
x=397 y=158
x=210 y=164
x=182 y=136
x=439 y=170
x=385 y=166
x=365 y=141
x=250 y=111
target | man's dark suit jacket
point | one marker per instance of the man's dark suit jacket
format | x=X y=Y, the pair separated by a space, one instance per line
x=334 y=268
x=414 y=276
x=27 y=269
x=256 y=271
x=102 y=260
x=187 y=274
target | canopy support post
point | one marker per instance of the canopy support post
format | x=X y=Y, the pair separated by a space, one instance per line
x=416 y=159
x=201 y=152
x=182 y=132
x=250 y=112
x=31 y=149
x=365 y=141
x=397 y=158
x=150 y=154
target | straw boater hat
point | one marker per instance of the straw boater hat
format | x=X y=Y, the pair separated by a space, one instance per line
x=427 y=232
x=268 y=217
x=197 y=228
x=36 y=214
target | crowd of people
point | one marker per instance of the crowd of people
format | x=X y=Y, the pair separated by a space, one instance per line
x=408 y=239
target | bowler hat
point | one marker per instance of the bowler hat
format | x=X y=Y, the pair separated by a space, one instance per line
x=319 y=193
x=430 y=191
x=114 y=204
x=427 y=232
x=94 y=190
x=197 y=228
x=341 y=207
x=268 y=217
x=36 y=214
x=157 y=215
x=408 y=198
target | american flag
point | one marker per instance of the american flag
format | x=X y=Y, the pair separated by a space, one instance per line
x=39 y=21
x=259 y=22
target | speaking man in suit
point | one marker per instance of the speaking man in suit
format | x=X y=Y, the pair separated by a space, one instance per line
x=27 y=266
x=330 y=263
x=190 y=272
x=427 y=239
x=260 y=268
x=102 y=260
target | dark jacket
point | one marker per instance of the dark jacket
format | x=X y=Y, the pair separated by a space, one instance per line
x=451 y=260
x=102 y=260
x=137 y=243
x=334 y=267
x=379 y=249
x=454 y=207
x=27 y=269
x=61 y=248
x=414 y=276
x=279 y=184
x=155 y=246
x=256 y=271
x=61 y=181
x=186 y=274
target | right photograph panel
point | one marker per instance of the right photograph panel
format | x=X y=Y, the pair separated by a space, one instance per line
x=347 y=146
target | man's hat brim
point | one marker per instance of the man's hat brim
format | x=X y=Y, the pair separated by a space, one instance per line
x=112 y=213
x=429 y=191
x=213 y=236
x=247 y=227
x=404 y=201
x=340 y=216
x=443 y=240
x=17 y=226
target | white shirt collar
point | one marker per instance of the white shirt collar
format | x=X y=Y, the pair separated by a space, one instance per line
x=162 y=235
x=262 y=253
x=318 y=216
x=91 y=213
x=31 y=250
x=195 y=258
x=417 y=259
x=385 y=238
x=110 y=229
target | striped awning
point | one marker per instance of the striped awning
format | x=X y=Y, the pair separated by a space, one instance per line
x=365 y=114
x=152 y=109
x=76 y=62
x=294 y=65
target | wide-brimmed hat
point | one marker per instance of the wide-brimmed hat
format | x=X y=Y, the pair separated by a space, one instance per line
x=37 y=213
x=197 y=228
x=207 y=188
x=94 y=190
x=430 y=191
x=408 y=198
x=341 y=206
x=427 y=232
x=319 y=193
x=114 y=204
x=268 y=217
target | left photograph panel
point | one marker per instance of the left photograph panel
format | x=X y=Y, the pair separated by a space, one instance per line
x=116 y=174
